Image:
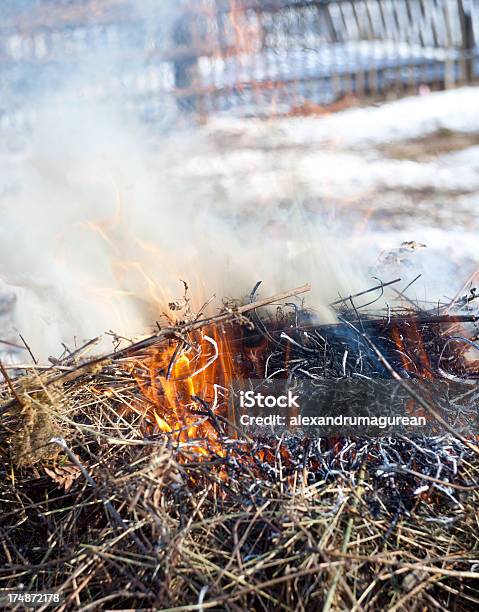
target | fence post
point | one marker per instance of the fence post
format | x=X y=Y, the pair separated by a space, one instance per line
x=185 y=65
x=468 y=43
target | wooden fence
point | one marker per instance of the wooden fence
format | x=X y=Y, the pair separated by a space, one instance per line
x=234 y=56
x=280 y=54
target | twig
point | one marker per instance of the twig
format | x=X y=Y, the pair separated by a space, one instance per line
x=28 y=348
x=12 y=344
x=172 y=332
x=453 y=485
x=350 y=297
x=10 y=385
x=39 y=367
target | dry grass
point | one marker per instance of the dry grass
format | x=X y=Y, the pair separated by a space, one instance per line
x=146 y=523
x=98 y=504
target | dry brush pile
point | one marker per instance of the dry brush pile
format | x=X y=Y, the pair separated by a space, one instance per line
x=118 y=509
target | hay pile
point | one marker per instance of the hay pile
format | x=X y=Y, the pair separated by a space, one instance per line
x=99 y=504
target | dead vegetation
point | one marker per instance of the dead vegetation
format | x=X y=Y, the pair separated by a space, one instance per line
x=115 y=508
x=428 y=147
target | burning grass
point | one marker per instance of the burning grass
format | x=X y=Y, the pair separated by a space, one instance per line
x=123 y=486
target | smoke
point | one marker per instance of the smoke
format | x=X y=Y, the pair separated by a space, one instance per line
x=99 y=227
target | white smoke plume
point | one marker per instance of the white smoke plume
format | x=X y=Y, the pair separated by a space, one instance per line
x=98 y=227
x=100 y=231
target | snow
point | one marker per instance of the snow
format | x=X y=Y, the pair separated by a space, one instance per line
x=335 y=167
x=341 y=153
x=411 y=117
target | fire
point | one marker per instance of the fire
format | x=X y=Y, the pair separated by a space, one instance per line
x=181 y=380
x=410 y=346
x=420 y=362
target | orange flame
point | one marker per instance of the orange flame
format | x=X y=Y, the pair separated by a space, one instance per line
x=410 y=346
x=182 y=378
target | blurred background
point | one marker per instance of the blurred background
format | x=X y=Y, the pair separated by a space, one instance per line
x=241 y=57
x=341 y=136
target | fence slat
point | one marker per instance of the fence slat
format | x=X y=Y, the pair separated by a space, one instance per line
x=250 y=54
